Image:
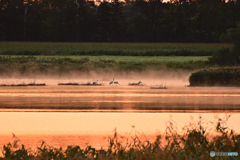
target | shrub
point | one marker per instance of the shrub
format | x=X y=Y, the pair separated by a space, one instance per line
x=225 y=57
x=216 y=77
x=229 y=56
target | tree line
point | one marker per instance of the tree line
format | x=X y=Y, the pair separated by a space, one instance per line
x=129 y=21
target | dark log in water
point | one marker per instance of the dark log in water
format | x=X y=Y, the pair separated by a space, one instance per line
x=75 y=84
x=161 y=87
x=68 y=83
x=36 y=84
x=30 y=84
x=135 y=84
x=13 y=85
x=88 y=84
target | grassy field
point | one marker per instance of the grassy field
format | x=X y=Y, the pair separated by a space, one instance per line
x=44 y=65
x=192 y=143
x=134 y=49
x=140 y=59
x=159 y=59
x=26 y=58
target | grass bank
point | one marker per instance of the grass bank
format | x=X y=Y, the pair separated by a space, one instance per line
x=216 y=77
x=29 y=58
x=116 y=49
x=117 y=59
x=193 y=144
x=55 y=65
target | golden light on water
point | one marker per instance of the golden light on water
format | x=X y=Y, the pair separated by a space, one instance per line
x=76 y=125
x=70 y=115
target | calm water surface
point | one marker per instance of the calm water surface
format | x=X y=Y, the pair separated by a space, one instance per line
x=93 y=128
x=120 y=98
x=81 y=115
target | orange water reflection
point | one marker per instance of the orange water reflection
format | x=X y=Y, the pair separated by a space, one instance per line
x=120 y=98
x=70 y=115
x=81 y=128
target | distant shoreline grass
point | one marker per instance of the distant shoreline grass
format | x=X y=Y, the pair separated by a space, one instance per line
x=156 y=59
x=25 y=58
x=55 y=65
x=120 y=49
x=192 y=143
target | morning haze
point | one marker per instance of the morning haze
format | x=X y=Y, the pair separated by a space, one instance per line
x=119 y=79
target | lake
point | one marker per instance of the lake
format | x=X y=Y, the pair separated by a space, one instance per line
x=88 y=115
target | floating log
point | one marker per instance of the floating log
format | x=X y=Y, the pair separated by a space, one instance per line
x=68 y=83
x=135 y=84
x=89 y=84
x=36 y=84
x=12 y=85
x=160 y=87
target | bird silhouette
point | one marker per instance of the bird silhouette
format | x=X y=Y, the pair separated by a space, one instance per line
x=95 y=82
x=115 y=82
x=111 y=81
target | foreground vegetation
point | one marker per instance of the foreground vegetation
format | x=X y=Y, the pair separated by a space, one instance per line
x=193 y=144
x=216 y=77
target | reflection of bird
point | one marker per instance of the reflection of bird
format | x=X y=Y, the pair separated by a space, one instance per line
x=139 y=82
x=95 y=82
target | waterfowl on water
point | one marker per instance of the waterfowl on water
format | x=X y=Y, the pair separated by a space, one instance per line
x=111 y=81
x=95 y=82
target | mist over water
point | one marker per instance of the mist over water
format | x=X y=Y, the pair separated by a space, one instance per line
x=149 y=77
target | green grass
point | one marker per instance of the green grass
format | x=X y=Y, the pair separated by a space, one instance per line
x=63 y=65
x=146 y=49
x=27 y=58
x=159 y=59
x=30 y=65
x=192 y=143
x=155 y=59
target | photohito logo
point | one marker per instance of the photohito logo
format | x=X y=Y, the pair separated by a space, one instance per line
x=232 y=153
x=212 y=154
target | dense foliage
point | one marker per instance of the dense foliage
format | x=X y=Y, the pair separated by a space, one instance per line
x=193 y=144
x=228 y=56
x=140 y=20
x=216 y=77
